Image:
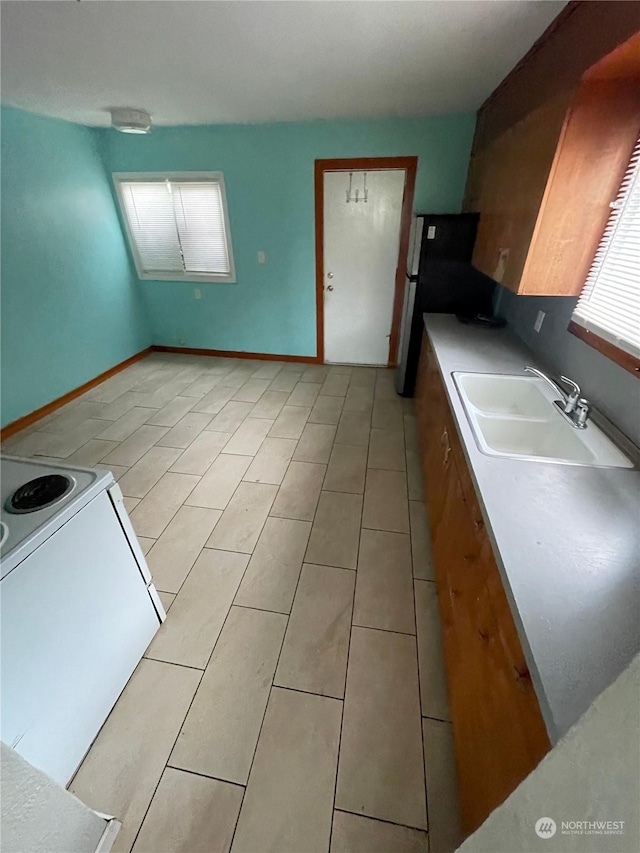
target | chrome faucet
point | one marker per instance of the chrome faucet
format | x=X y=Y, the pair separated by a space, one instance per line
x=574 y=407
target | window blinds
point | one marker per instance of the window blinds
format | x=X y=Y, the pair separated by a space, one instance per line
x=201 y=227
x=177 y=226
x=609 y=305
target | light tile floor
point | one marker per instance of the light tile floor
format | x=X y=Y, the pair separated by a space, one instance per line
x=286 y=705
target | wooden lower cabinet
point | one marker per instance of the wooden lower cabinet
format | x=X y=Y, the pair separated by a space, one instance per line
x=498 y=728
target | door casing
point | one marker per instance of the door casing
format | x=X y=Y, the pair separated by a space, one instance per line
x=369 y=164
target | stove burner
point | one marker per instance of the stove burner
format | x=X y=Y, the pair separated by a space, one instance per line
x=39 y=493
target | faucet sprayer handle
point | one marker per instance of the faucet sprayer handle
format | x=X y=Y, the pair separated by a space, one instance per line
x=573 y=397
x=574 y=385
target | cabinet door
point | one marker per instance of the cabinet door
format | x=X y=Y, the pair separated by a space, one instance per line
x=507 y=184
x=422 y=392
x=498 y=731
x=456 y=556
x=535 y=739
x=437 y=461
x=436 y=444
x=467 y=628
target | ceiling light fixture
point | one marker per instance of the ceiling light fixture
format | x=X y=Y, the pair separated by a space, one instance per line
x=130 y=120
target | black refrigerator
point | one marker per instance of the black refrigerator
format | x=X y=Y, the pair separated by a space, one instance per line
x=440 y=280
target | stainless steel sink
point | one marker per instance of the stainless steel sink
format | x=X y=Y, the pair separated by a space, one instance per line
x=515 y=416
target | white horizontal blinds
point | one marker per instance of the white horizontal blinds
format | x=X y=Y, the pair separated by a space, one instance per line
x=199 y=216
x=610 y=301
x=149 y=209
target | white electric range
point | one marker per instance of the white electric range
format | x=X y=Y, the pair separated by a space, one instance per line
x=78 y=608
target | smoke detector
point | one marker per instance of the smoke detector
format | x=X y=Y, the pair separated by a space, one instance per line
x=130 y=120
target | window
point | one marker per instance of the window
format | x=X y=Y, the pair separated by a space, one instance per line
x=177 y=225
x=608 y=312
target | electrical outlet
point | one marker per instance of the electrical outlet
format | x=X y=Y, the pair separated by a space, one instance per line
x=539 y=321
x=262 y=258
x=197 y=293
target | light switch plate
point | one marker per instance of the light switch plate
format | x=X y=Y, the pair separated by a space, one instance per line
x=262 y=258
x=197 y=293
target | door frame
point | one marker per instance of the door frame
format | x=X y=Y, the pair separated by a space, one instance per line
x=365 y=164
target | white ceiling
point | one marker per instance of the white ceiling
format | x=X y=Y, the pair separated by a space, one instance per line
x=221 y=62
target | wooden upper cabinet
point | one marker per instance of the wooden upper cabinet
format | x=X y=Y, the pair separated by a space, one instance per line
x=544 y=185
x=507 y=181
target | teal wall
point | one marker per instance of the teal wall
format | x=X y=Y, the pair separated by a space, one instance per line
x=268 y=172
x=72 y=306
x=71 y=303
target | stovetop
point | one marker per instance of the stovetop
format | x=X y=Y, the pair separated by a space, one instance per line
x=22 y=532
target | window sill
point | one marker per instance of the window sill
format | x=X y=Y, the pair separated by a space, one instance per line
x=609 y=350
x=193 y=278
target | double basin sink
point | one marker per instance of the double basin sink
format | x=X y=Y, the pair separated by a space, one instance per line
x=515 y=416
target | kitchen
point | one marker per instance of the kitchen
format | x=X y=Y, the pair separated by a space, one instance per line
x=292 y=516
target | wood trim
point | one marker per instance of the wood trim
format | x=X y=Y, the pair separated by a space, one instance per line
x=575 y=40
x=609 y=350
x=318 y=183
x=370 y=164
x=223 y=353
x=401 y=269
x=43 y=411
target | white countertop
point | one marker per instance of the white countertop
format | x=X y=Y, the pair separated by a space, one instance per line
x=566 y=539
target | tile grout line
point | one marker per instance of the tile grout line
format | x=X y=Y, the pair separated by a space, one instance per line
x=385 y=630
x=278 y=662
x=197 y=687
x=155 y=790
x=196 y=485
x=284 y=637
x=281 y=644
x=260 y=609
x=385 y=820
x=188 y=709
x=172 y=516
x=346 y=669
x=415 y=616
x=169 y=766
x=190 y=704
x=307 y=692
x=437 y=719
x=173 y=663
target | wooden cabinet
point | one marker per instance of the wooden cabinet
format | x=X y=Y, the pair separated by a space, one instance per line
x=498 y=729
x=433 y=435
x=506 y=183
x=544 y=184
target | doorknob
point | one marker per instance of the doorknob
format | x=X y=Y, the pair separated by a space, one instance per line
x=330 y=287
x=329 y=275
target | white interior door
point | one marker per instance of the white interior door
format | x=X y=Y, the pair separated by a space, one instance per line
x=361 y=245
